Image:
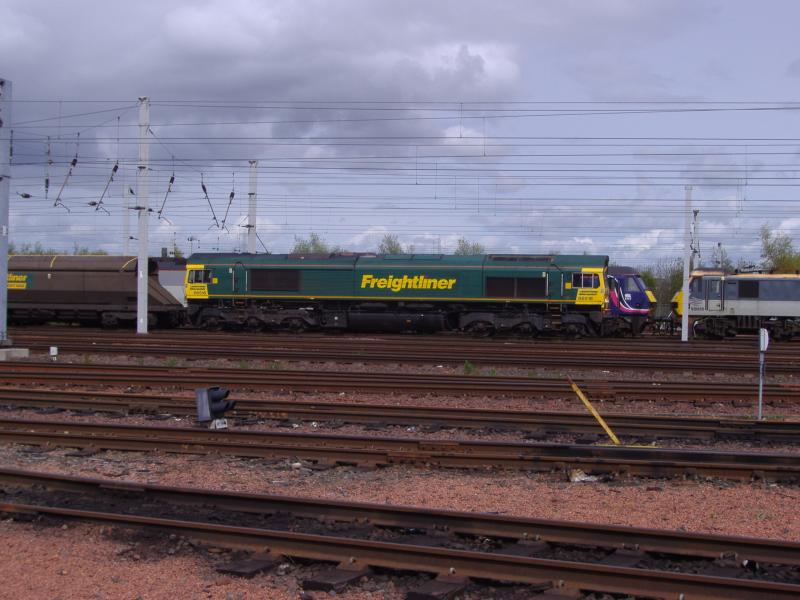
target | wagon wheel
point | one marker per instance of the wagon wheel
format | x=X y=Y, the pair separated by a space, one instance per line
x=109 y=321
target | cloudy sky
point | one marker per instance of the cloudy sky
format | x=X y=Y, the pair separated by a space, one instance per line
x=543 y=126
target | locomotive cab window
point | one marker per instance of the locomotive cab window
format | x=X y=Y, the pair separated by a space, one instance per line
x=585 y=280
x=200 y=276
x=696 y=287
x=631 y=285
x=713 y=288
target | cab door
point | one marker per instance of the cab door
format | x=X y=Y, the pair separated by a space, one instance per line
x=714 y=297
x=239 y=279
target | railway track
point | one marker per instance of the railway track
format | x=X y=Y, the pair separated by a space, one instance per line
x=381 y=451
x=607 y=353
x=549 y=555
x=533 y=422
x=338 y=381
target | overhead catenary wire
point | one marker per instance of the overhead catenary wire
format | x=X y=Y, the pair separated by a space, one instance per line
x=339 y=177
x=230 y=201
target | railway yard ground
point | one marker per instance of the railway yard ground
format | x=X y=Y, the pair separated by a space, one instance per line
x=389 y=467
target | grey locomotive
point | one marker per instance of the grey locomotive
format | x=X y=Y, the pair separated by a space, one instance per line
x=723 y=305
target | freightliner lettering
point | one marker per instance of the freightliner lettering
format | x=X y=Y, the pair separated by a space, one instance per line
x=414 y=282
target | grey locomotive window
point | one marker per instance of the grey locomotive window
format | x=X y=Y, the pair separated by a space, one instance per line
x=748 y=289
x=714 y=289
x=500 y=287
x=275 y=280
x=200 y=276
x=695 y=286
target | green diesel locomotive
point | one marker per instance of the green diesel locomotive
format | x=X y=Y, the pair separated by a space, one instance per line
x=531 y=294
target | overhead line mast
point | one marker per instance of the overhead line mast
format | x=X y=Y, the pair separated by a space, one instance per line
x=687 y=257
x=5 y=187
x=252 y=207
x=144 y=216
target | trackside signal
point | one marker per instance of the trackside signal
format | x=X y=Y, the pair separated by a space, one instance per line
x=212 y=405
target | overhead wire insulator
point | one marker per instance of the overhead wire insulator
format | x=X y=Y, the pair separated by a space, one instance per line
x=58 y=201
x=211 y=206
x=230 y=201
x=164 y=202
x=99 y=204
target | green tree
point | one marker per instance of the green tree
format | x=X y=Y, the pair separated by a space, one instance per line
x=28 y=248
x=467 y=248
x=664 y=278
x=314 y=244
x=649 y=278
x=84 y=250
x=390 y=245
x=721 y=260
x=778 y=252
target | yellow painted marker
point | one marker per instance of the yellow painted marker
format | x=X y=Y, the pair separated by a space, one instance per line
x=592 y=410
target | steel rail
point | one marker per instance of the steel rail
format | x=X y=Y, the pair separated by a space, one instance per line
x=509 y=354
x=699 y=428
x=470 y=523
x=606 y=359
x=378 y=451
x=463 y=563
x=738 y=346
x=314 y=381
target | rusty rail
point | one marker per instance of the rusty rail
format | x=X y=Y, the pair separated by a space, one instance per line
x=377 y=451
x=545 y=422
x=627 y=354
x=335 y=381
x=495 y=566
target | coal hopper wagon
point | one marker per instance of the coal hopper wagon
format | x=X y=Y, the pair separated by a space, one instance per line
x=92 y=290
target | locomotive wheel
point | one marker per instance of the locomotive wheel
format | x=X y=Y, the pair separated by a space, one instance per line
x=295 y=325
x=253 y=325
x=481 y=329
x=212 y=324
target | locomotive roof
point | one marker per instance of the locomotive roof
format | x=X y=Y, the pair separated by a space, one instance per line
x=737 y=276
x=544 y=260
x=69 y=262
x=622 y=270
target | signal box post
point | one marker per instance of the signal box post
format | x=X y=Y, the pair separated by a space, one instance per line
x=763 y=344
